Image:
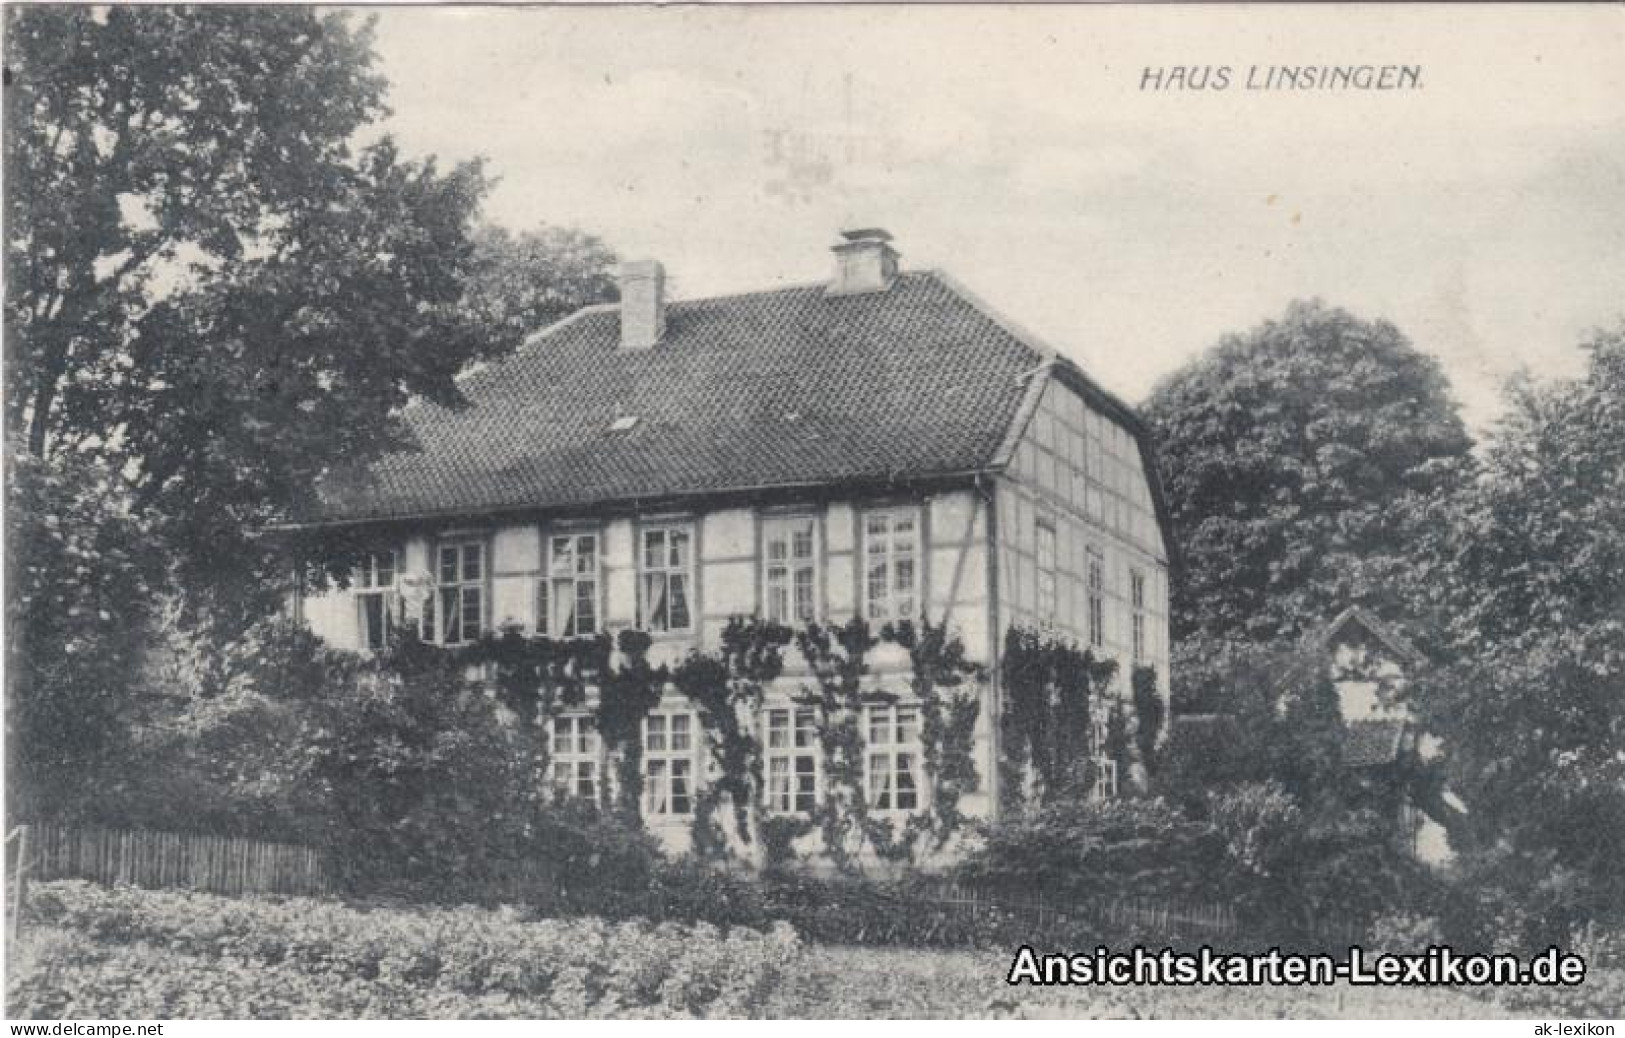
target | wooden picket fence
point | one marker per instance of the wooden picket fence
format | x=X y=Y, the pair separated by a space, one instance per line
x=1163 y=918
x=218 y=864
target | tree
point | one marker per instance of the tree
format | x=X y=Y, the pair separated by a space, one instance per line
x=1297 y=458
x=78 y=580
x=211 y=289
x=1273 y=717
x=527 y=281
x=1524 y=581
x=210 y=294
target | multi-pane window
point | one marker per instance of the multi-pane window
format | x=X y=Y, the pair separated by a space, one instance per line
x=568 y=607
x=891 y=773
x=792 y=760
x=374 y=585
x=890 y=547
x=1136 y=583
x=668 y=578
x=1095 y=588
x=790 y=570
x=668 y=765
x=1044 y=546
x=575 y=757
x=455 y=613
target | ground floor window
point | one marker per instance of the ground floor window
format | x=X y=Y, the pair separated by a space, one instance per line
x=792 y=760
x=576 y=758
x=668 y=765
x=374 y=583
x=892 y=772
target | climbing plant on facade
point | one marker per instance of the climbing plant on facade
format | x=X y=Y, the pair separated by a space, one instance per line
x=727 y=689
x=837 y=658
x=1049 y=688
x=1148 y=713
x=625 y=697
x=948 y=688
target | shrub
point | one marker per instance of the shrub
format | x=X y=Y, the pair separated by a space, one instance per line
x=1105 y=849
x=318 y=957
x=1402 y=933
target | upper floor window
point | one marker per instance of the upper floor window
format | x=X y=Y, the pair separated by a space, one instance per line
x=568 y=606
x=374 y=585
x=455 y=613
x=1095 y=587
x=668 y=765
x=792 y=760
x=790 y=570
x=576 y=757
x=667 y=562
x=890 y=550
x=1136 y=583
x=891 y=772
x=1044 y=548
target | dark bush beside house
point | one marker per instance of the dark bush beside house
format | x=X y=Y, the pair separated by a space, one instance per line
x=1103 y=849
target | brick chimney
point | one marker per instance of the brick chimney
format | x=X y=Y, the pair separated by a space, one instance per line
x=864 y=262
x=643 y=304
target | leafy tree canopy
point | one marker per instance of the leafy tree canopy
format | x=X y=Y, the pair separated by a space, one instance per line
x=1294 y=458
x=212 y=292
x=529 y=280
x=1524 y=579
x=212 y=286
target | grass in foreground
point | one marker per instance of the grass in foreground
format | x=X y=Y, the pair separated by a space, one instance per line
x=95 y=953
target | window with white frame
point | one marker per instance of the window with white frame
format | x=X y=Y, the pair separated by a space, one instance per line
x=668 y=765
x=455 y=613
x=568 y=604
x=576 y=757
x=790 y=569
x=1044 y=548
x=375 y=597
x=1095 y=587
x=1136 y=583
x=891 y=771
x=890 y=549
x=667 y=562
x=792 y=760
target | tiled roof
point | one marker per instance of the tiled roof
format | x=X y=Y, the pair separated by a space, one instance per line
x=1387 y=635
x=1372 y=742
x=779 y=388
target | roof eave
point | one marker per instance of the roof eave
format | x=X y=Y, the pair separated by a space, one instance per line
x=868 y=486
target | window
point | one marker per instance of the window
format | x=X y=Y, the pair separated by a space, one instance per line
x=455 y=614
x=890 y=544
x=1136 y=583
x=668 y=560
x=792 y=761
x=575 y=758
x=1105 y=784
x=892 y=774
x=1095 y=586
x=569 y=590
x=790 y=570
x=1044 y=546
x=374 y=585
x=668 y=765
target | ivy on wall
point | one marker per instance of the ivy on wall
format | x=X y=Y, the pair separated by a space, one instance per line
x=948 y=688
x=625 y=698
x=537 y=678
x=838 y=658
x=727 y=689
x=1050 y=689
x=1149 y=713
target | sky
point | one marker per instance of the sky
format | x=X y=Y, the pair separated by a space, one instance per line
x=1483 y=213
